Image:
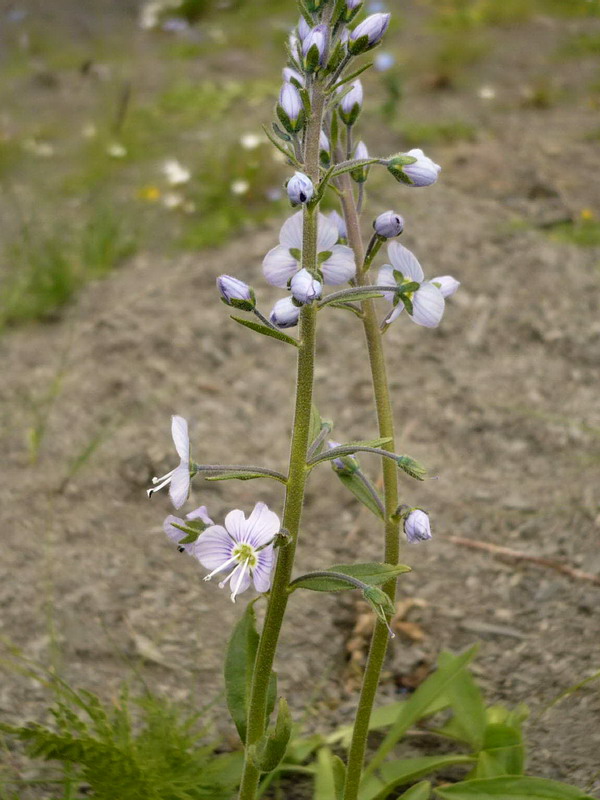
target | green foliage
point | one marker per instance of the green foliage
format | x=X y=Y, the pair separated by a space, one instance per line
x=270 y=749
x=331 y=580
x=583 y=232
x=147 y=748
x=266 y=331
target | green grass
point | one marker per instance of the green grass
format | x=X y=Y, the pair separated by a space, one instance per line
x=583 y=232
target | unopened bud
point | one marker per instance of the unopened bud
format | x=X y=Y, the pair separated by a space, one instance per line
x=351 y=10
x=369 y=33
x=414 y=168
x=303 y=29
x=285 y=313
x=416 y=526
x=236 y=293
x=314 y=48
x=388 y=225
x=305 y=288
x=293 y=76
x=343 y=465
x=290 y=109
x=300 y=189
x=351 y=103
x=360 y=153
x=446 y=284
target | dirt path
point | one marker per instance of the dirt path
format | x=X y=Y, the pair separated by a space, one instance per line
x=501 y=403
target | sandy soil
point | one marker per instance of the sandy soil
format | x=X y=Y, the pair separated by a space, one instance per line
x=501 y=403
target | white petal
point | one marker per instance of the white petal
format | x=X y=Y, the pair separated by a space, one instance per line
x=261 y=574
x=214 y=547
x=235 y=522
x=447 y=284
x=279 y=266
x=261 y=526
x=172 y=532
x=327 y=233
x=236 y=585
x=339 y=267
x=180 y=485
x=405 y=262
x=385 y=277
x=179 y=432
x=284 y=313
x=290 y=234
x=428 y=306
x=395 y=313
x=200 y=513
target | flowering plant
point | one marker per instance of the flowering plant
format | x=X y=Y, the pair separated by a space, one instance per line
x=318 y=108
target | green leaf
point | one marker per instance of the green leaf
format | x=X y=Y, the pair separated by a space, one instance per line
x=358 y=488
x=239 y=663
x=329 y=776
x=503 y=752
x=420 y=791
x=417 y=705
x=511 y=788
x=355 y=297
x=372 y=573
x=266 y=331
x=369 y=443
x=398 y=773
x=468 y=707
x=270 y=749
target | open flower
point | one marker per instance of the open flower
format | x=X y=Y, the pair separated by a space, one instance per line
x=425 y=302
x=336 y=261
x=244 y=547
x=172 y=527
x=178 y=480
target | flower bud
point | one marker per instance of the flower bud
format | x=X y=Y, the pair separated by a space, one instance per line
x=285 y=313
x=290 y=109
x=303 y=29
x=300 y=189
x=305 y=288
x=340 y=223
x=351 y=10
x=416 y=526
x=360 y=153
x=388 y=225
x=343 y=465
x=414 y=168
x=324 y=149
x=236 y=293
x=351 y=103
x=293 y=76
x=446 y=284
x=368 y=34
x=314 y=48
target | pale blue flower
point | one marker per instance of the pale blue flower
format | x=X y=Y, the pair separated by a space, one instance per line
x=416 y=526
x=178 y=480
x=175 y=533
x=305 y=288
x=300 y=189
x=243 y=547
x=285 y=313
x=388 y=225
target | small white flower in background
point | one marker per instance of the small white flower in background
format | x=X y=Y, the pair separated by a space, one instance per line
x=175 y=533
x=116 y=150
x=239 y=187
x=305 y=288
x=89 y=130
x=282 y=262
x=250 y=141
x=487 y=93
x=172 y=200
x=416 y=526
x=243 y=546
x=285 y=313
x=36 y=148
x=178 y=480
x=175 y=173
x=427 y=301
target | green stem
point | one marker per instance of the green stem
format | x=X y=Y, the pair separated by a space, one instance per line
x=297 y=474
x=385 y=419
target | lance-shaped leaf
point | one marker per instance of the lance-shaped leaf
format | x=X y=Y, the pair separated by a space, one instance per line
x=329 y=776
x=406 y=770
x=270 y=749
x=240 y=476
x=349 y=576
x=511 y=788
x=266 y=331
x=364 y=492
x=239 y=665
x=468 y=723
x=420 y=791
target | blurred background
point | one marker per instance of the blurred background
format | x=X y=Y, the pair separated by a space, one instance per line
x=134 y=171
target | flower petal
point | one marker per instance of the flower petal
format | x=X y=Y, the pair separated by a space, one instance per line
x=180 y=485
x=327 y=233
x=236 y=524
x=428 y=306
x=181 y=439
x=279 y=266
x=448 y=285
x=234 y=578
x=261 y=526
x=405 y=262
x=385 y=277
x=261 y=574
x=339 y=267
x=200 y=513
x=290 y=234
x=214 y=547
x=395 y=313
x=172 y=532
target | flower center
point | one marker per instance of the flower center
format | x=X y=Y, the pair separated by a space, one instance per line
x=245 y=553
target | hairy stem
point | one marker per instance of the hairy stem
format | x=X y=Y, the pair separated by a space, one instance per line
x=297 y=473
x=385 y=420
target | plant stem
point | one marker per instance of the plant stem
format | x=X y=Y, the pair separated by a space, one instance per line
x=297 y=474
x=385 y=419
